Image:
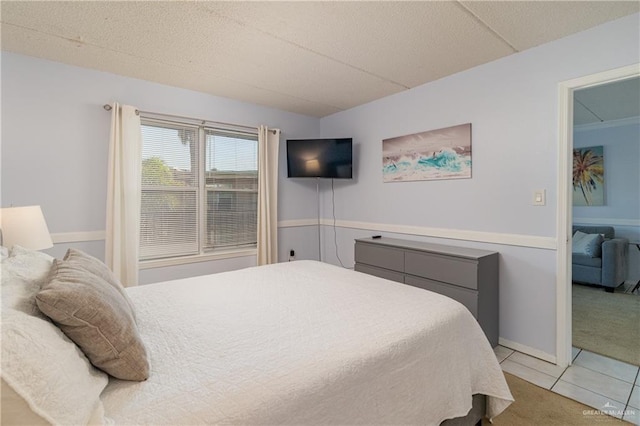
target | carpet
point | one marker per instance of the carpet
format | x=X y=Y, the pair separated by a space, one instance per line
x=535 y=406
x=606 y=323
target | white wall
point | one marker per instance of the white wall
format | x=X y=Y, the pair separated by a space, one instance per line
x=622 y=184
x=512 y=104
x=55 y=142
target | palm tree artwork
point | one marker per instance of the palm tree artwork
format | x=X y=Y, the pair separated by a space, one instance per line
x=588 y=176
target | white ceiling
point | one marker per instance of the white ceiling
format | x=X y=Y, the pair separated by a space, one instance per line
x=313 y=58
x=607 y=102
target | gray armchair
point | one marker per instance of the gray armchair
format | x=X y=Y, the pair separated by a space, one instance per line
x=610 y=270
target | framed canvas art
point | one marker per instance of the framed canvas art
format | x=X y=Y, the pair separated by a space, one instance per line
x=435 y=154
x=588 y=176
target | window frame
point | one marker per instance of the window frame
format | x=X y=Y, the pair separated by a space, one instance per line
x=204 y=254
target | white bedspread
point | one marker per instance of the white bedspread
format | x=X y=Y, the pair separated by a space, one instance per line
x=304 y=343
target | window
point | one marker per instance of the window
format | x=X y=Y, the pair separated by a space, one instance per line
x=199 y=189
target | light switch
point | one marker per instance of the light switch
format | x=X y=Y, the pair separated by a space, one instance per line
x=539 y=198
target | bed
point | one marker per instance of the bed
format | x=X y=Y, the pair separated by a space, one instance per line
x=292 y=343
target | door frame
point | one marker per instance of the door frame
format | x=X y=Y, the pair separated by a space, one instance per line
x=564 y=202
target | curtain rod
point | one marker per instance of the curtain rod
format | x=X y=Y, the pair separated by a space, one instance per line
x=109 y=108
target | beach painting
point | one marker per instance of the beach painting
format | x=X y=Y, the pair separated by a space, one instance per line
x=432 y=155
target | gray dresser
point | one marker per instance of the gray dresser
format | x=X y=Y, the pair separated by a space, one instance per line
x=467 y=275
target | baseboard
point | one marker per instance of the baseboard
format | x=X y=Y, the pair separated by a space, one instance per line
x=536 y=353
x=606 y=221
x=294 y=223
x=530 y=241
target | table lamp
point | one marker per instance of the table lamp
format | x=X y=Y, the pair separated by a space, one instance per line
x=25 y=227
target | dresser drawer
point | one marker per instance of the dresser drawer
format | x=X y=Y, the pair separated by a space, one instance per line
x=379 y=272
x=380 y=256
x=468 y=298
x=461 y=272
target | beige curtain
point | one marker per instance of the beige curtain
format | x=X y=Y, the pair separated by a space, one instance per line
x=123 y=194
x=268 y=141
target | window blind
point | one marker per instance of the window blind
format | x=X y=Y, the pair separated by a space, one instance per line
x=231 y=178
x=199 y=189
x=169 y=208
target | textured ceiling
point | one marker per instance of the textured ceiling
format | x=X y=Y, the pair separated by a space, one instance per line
x=313 y=58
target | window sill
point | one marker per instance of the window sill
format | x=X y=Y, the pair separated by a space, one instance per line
x=205 y=257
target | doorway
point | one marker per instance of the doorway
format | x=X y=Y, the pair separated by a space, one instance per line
x=564 y=220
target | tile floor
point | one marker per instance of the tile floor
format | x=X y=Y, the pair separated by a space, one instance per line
x=603 y=383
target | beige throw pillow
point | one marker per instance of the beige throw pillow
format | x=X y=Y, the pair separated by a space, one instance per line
x=96 y=267
x=93 y=314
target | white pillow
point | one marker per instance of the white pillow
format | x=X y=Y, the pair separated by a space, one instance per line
x=22 y=276
x=4 y=253
x=49 y=371
x=38 y=362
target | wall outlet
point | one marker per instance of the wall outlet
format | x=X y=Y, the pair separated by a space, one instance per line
x=292 y=255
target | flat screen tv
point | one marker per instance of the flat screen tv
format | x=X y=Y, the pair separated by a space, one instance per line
x=320 y=158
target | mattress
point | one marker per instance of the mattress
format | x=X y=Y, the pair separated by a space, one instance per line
x=304 y=343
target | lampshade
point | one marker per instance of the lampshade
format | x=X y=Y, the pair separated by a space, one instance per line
x=24 y=226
